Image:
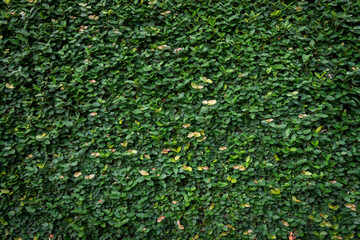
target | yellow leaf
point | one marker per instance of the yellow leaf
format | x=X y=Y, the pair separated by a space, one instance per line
x=333 y=207
x=233 y=180
x=212 y=206
x=275 y=191
x=248 y=158
x=189 y=169
x=318 y=129
x=9 y=86
x=191 y=134
x=77 y=174
x=179 y=225
x=197 y=134
x=211 y=102
x=200 y=168
x=186 y=125
x=160 y=218
x=286 y=224
x=295 y=199
x=247 y=205
x=207 y=80
x=6 y=191
x=241 y=167
x=193 y=85
x=351 y=206
x=41 y=165
x=144 y=173
x=177 y=158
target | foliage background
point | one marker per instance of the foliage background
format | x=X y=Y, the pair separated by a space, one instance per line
x=285 y=78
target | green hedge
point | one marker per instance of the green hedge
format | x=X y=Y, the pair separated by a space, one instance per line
x=179 y=119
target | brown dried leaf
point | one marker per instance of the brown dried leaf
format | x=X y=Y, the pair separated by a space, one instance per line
x=160 y=218
x=179 y=225
x=144 y=173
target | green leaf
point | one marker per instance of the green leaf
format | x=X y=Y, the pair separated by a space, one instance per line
x=301 y=161
x=36 y=87
x=222 y=184
x=3 y=222
x=115 y=195
x=268 y=70
x=68 y=123
x=305 y=57
x=30 y=209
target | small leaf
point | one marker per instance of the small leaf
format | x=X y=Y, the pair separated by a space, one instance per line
x=268 y=70
x=179 y=225
x=36 y=87
x=3 y=222
x=191 y=134
x=286 y=224
x=318 y=129
x=212 y=206
x=327 y=224
x=195 y=86
x=144 y=173
x=5 y=191
x=275 y=191
x=295 y=199
x=188 y=169
x=305 y=57
x=9 y=86
x=211 y=102
x=241 y=167
x=30 y=209
x=160 y=218
x=77 y=174
x=333 y=207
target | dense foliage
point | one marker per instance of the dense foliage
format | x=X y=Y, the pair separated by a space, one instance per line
x=180 y=119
